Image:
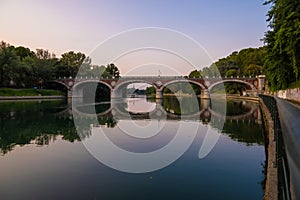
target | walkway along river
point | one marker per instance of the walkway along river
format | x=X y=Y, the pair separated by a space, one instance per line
x=282 y=121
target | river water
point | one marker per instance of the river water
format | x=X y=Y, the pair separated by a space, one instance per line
x=45 y=155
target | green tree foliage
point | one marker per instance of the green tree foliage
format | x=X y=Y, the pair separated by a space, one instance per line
x=21 y=67
x=237 y=62
x=43 y=54
x=10 y=68
x=112 y=71
x=181 y=106
x=234 y=88
x=150 y=91
x=182 y=88
x=241 y=60
x=44 y=66
x=246 y=62
x=194 y=74
x=283 y=43
x=70 y=63
x=205 y=72
x=253 y=70
x=231 y=72
x=23 y=52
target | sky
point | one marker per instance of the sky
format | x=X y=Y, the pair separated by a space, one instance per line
x=218 y=26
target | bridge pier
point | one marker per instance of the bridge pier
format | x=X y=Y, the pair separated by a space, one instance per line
x=159 y=101
x=69 y=94
x=261 y=83
x=76 y=92
x=205 y=94
x=114 y=94
x=159 y=94
x=205 y=104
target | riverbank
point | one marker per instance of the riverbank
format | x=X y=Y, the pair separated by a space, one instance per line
x=29 y=93
x=271 y=187
x=30 y=97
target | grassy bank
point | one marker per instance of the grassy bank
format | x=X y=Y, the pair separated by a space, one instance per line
x=29 y=92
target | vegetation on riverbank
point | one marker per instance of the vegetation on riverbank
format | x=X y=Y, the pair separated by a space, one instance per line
x=246 y=62
x=29 y=92
x=279 y=59
x=21 y=67
x=282 y=62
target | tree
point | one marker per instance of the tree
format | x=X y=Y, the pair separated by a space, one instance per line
x=283 y=43
x=99 y=70
x=150 y=91
x=23 y=52
x=205 y=72
x=21 y=67
x=238 y=61
x=253 y=70
x=70 y=63
x=44 y=54
x=44 y=66
x=231 y=72
x=223 y=65
x=44 y=69
x=194 y=74
x=234 y=88
x=112 y=71
x=8 y=65
x=31 y=71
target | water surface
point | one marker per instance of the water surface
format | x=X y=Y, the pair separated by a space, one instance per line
x=42 y=156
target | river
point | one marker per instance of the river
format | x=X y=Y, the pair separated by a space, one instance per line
x=50 y=150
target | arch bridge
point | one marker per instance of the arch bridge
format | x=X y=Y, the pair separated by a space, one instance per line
x=253 y=85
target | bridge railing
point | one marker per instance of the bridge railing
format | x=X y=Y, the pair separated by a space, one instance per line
x=150 y=77
x=281 y=158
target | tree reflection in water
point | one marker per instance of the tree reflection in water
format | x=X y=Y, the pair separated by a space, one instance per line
x=40 y=122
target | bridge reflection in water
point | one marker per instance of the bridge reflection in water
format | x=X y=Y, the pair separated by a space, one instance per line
x=239 y=114
x=239 y=117
x=171 y=108
x=232 y=167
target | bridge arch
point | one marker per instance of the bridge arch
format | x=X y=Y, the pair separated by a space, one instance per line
x=159 y=93
x=234 y=117
x=88 y=90
x=116 y=92
x=91 y=81
x=61 y=83
x=79 y=112
x=250 y=85
x=183 y=81
x=128 y=82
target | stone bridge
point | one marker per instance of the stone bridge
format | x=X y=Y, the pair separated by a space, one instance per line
x=253 y=85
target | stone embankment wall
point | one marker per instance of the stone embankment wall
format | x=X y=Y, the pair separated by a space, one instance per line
x=290 y=94
x=271 y=190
